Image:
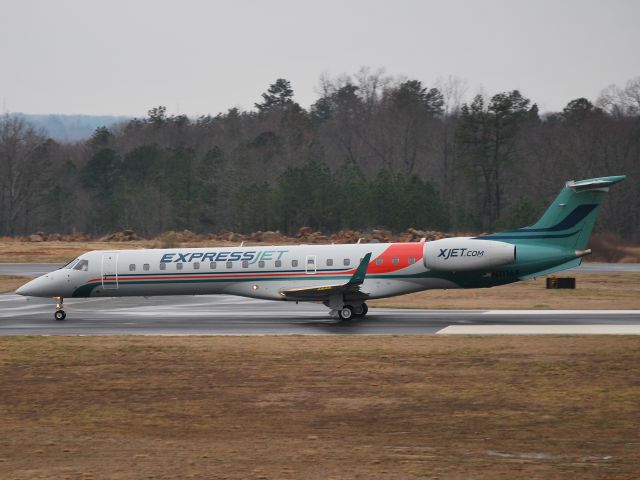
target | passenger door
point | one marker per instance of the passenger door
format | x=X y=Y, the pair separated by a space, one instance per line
x=110 y=271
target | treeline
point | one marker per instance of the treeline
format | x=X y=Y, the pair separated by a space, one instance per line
x=371 y=152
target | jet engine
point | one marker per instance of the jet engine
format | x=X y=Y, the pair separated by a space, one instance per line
x=462 y=254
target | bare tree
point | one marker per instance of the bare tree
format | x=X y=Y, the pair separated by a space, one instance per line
x=621 y=101
x=454 y=90
x=19 y=144
x=371 y=84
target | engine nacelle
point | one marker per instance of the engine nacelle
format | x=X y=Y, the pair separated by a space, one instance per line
x=462 y=254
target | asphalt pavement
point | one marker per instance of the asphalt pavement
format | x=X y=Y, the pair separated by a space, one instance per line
x=229 y=315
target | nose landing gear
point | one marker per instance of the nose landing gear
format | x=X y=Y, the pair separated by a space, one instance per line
x=59 y=315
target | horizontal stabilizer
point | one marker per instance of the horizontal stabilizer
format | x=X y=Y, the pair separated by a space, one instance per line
x=602 y=183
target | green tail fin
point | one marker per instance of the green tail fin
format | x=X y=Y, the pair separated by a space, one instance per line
x=569 y=220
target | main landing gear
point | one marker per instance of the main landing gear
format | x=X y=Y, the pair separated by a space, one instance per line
x=59 y=315
x=349 y=312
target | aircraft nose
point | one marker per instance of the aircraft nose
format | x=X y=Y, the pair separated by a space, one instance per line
x=26 y=289
x=38 y=287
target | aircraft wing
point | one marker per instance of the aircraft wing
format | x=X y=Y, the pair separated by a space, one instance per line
x=322 y=291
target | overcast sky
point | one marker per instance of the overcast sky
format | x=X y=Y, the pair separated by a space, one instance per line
x=123 y=57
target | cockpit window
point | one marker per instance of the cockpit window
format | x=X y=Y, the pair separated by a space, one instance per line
x=72 y=263
x=82 y=265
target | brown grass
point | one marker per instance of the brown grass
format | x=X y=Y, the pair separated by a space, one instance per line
x=609 y=247
x=8 y=283
x=63 y=252
x=320 y=407
x=593 y=291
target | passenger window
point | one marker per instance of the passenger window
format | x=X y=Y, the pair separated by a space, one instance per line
x=245 y=264
x=412 y=260
x=163 y=266
x=212 y=265
x=261 y=263
x=329 y=262
x=378 y=261
x=196 y=265
x=229 y=264
x=346 y=262
x=311 y=261
x=294 y=263
x=132 y=267
x=278 y=263
x=395 y=261
x=145 y=267
x=82 y=265
x=178 y=266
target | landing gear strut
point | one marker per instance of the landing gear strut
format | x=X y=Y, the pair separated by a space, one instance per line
x=60 y=314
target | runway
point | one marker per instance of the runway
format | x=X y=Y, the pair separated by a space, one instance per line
x=28 y=269
x=227 y=315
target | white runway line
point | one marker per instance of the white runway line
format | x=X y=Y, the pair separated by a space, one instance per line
x=540 y=330
x=562 y=312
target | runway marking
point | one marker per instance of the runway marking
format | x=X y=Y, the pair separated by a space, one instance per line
x=562 y=312
x=540 y=330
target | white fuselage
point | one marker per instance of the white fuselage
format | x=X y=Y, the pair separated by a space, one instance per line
x=258 y=272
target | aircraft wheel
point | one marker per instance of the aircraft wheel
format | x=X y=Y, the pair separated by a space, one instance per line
x=346 y=312
x=360 y=310
x=59 y=315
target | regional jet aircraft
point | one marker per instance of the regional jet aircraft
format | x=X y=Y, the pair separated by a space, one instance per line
x=342 y=277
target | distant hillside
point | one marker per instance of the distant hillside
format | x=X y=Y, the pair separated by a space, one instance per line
x=69 y=128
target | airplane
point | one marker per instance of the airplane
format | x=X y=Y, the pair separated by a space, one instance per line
x=342 y=277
